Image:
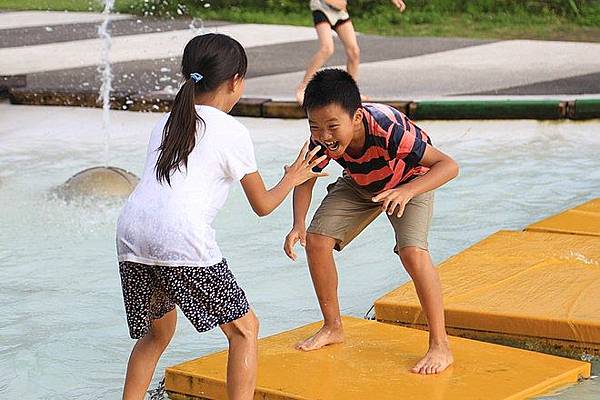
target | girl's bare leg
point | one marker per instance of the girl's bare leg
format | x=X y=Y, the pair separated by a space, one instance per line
x=319 y=59
x=347 y=35
x=242 y=335
x=145 y=355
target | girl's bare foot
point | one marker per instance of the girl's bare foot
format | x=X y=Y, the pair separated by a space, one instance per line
x=325 y=336
x=438 y=358
x=365 y=98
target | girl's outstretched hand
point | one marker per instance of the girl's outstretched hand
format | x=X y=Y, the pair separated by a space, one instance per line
x=301 y=170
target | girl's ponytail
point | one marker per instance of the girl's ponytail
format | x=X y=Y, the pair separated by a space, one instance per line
x=208 y=61
x=179 y=134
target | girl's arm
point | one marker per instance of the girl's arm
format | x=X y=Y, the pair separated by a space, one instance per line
x=264 y=201
x=442 y=169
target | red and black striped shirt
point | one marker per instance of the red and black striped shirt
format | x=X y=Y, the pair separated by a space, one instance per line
x=394 y=146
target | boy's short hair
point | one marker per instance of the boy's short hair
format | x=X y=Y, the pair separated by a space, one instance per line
x=332 y=86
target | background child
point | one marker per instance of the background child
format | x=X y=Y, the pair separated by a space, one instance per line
x=328 y=16
x=166 y=246
x=389 y=164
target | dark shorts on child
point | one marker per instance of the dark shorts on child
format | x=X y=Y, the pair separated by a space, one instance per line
x=207 y=296
x=320 y=17
x=323 y=12
x=347 y=210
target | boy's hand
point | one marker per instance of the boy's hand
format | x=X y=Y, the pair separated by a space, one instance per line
x=399 y=4
x=295 y=235
x=394 y=199
x=301 y=170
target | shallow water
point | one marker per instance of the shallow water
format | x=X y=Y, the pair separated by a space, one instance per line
x=64 y=333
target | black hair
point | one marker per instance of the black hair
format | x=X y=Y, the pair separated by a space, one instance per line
x=216 y=58
x=332 y=86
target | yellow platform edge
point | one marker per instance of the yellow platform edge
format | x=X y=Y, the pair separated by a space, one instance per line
x=555 y=347
x=517 y=374
x=580 y=220
x=181 y=385
x=401 y=306
x=486 y=326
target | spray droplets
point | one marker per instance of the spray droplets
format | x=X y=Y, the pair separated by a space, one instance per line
x=106 y=73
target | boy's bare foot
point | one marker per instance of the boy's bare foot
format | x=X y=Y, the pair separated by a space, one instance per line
x=437 y=359
x=325 y=336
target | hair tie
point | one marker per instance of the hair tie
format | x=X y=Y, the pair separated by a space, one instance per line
x=196 y=77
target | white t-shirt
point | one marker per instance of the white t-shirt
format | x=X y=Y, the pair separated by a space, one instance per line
x=171 y=225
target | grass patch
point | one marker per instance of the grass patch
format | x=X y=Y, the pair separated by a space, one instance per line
x=569 y=20
x=54 y=5
x=519 y=25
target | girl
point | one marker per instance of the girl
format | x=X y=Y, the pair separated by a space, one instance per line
x=328 y=16
x=166 y=246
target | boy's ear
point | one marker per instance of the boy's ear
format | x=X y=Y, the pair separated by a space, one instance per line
x=358 y=116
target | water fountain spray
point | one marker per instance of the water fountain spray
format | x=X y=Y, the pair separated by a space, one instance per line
x=104 y=181
x=106 y=73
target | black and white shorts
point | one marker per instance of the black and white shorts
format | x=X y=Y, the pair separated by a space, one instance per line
x=207 y=296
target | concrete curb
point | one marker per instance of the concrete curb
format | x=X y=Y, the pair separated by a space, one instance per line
x=8 y=82
x=267 y=108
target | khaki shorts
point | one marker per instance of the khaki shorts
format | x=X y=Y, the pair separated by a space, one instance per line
x=347 y=209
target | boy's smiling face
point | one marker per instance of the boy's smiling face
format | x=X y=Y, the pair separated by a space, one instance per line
x=335 y=129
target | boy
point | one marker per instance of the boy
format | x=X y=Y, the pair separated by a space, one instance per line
x=390 y=165
x=328 y=16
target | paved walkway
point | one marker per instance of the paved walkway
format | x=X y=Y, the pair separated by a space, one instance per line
x=58 y=50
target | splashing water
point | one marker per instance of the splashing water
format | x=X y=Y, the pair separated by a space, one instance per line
x=196 y=26
x=159 y=393
x=574 y=255
x=587 y=357
x=106 y=74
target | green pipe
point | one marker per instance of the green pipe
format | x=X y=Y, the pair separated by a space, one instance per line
x=585 y=109
x=488 y=109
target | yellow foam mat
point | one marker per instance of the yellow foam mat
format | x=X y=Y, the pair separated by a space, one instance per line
x=519 y=283
x=374 y=363
x=581 y=220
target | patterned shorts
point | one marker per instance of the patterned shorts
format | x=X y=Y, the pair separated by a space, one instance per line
x=207 y=296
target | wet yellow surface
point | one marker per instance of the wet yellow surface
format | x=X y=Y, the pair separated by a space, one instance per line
x=518 y=283
x=374 y=363
x=581 y=220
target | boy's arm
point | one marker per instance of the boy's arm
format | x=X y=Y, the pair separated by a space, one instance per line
x=442 y=169
x=301 y=200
